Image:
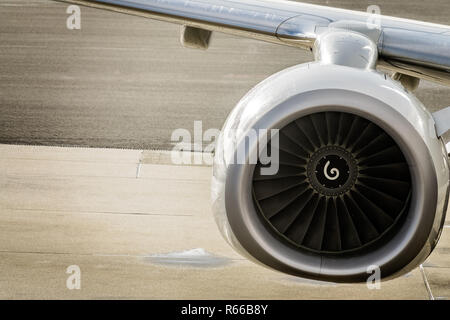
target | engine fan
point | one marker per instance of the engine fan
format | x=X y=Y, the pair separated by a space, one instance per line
x=342 y=184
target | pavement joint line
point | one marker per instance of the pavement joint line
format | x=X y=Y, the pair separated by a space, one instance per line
x=103 y=212
x=63 y=160
x=91 y=254
x=63 y=146
x=102 y=177
x=138 y=169
x=427 y=284
x=146 y=255
x=155 y=152
x=70 y=146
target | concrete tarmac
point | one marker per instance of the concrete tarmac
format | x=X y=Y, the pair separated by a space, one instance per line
x=140 y=228
x=124 y=81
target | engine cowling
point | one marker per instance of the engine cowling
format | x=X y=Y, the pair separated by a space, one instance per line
x=362 y=179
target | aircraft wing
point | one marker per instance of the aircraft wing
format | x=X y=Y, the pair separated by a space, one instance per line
x=410 y=47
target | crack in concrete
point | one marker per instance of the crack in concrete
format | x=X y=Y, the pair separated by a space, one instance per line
x=427 y=284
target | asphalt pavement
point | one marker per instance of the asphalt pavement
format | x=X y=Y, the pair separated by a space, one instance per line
x=126 y=82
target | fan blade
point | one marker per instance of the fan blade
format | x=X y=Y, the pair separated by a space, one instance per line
x=297 y=230
x=268 y=188
x=275 y=203
x=306 y=127
x=315 y=233
x=395 y=171
x=349 y=235
x=289 y=213
x=332 y=236
x=284 y=171
x=366 y=230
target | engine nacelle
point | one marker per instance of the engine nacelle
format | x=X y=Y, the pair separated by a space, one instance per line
x=362 y=179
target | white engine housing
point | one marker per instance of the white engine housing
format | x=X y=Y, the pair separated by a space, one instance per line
x=311 y=88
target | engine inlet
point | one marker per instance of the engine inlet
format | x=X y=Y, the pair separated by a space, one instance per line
x=342 y=184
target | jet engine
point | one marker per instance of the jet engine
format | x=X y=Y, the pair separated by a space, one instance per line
x=360 y=180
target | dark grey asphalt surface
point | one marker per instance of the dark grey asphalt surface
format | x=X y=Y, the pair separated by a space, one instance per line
x=124 y=81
